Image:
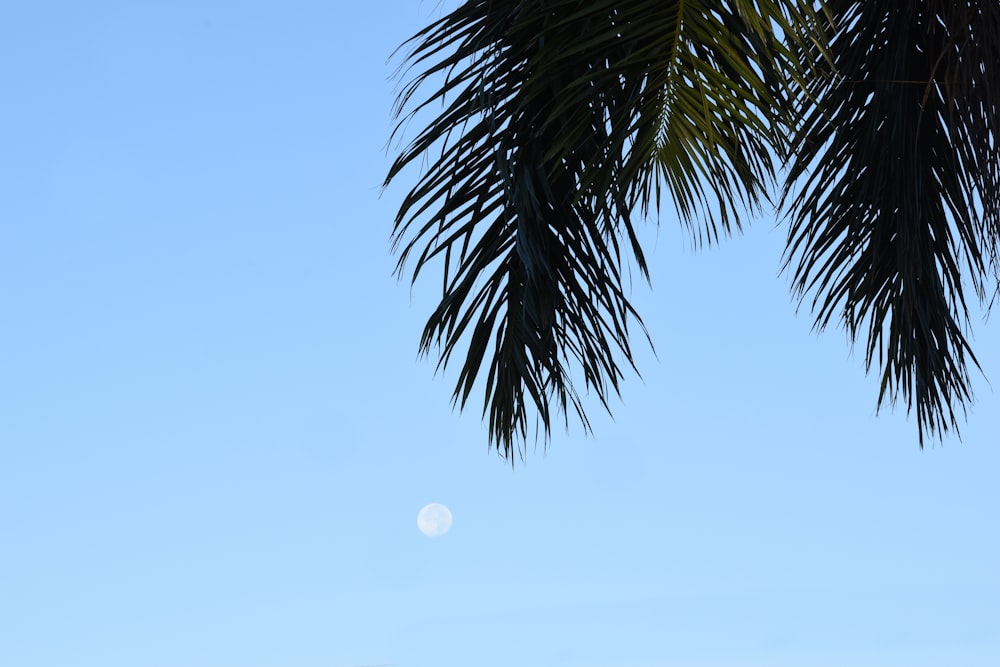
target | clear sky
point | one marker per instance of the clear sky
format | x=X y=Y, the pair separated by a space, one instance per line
x=216 y=433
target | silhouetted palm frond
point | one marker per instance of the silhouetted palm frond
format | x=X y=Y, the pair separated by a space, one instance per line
x=894 y=190
x=560 y=121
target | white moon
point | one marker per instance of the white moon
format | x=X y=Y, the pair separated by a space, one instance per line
x=434 y=520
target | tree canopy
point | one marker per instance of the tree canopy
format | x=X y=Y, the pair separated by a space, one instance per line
x=870 y=127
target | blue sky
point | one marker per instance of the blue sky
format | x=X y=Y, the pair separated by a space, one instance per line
x=216 y=433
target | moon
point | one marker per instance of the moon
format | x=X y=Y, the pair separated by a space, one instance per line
x=434 y=520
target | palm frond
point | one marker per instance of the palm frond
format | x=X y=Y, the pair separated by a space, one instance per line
x=560 y=120
x=893 y=191
x=729 y=94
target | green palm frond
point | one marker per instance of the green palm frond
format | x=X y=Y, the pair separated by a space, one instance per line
x=559 y=121
x=732 y=80
x=893 y=193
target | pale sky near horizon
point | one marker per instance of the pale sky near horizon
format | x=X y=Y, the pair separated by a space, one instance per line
x=216 y=433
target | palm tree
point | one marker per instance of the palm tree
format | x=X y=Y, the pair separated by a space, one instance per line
x=561 y=121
